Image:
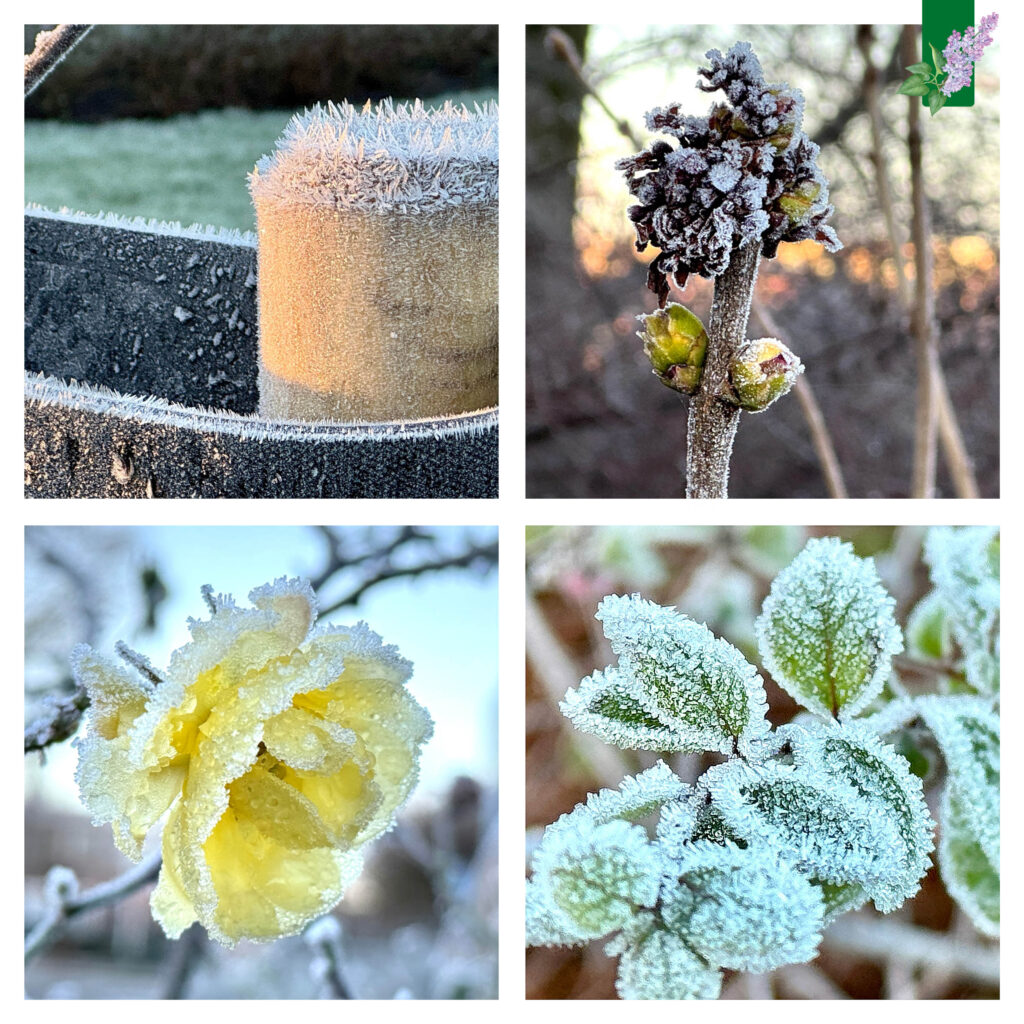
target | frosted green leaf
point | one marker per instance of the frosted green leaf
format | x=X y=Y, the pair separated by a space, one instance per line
x=598 y=875
x=815 y=822
x=969 y=875
x=838 y=899
x=699 y=686
x=928 y=628
x=964 y=566
x=637 y=796
x=608 y=705
x=546 y=925
x=891 y=717
x=850 y=754
x=827 y=632
x=659 y=965
x=744 y=909
x=967 y=731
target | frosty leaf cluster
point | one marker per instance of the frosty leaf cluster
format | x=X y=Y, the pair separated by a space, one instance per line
x=744 y=867
x=746 y=173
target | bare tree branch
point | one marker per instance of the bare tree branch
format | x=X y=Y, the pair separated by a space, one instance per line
x=58 y=722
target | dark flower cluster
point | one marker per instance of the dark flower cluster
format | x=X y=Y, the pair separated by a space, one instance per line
x=746 y=171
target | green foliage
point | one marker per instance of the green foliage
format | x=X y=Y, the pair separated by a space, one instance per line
x=798 y=825
x=827 y=632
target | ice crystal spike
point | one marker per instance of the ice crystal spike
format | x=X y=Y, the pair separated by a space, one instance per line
x=743 y=909
x=968 y=733
x=266 y=742
x=698 y=686
x=761 y=372
x=676 y=343
x=852 y=755
x=378 y=253
x=746 y=172
x=597 y=875
x=659 y=965
x=964 y=564
x=827 y=632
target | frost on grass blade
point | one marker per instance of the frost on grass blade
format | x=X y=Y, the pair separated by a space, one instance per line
x=827 y=632
x=655 y=964
x=608 y=705
x=598 y=875
x=969 y=875
x=546 y=925
x=964 y=565
x=744 y=909
x=815 y=822
x=967 y=731
x=851 y=755
x=699 y=686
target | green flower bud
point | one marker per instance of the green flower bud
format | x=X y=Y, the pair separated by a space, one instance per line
x=762 y=371
x=676 y=343
x=797 y=204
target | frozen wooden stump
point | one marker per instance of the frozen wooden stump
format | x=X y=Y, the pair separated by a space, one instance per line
x=378 y=264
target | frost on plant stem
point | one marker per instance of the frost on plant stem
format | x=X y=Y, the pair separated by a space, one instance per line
x=278 y=749
x=964 y=566
x=746 y=172
x=827 y=632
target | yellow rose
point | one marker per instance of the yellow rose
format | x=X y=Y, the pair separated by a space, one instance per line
x=279 y=749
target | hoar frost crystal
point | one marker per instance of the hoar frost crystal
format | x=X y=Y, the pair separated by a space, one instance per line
x=378 y=263
x=279 y=749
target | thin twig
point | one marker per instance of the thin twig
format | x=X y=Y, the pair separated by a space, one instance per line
x=485 y=555
x=954 y=450
x=66 y=904
x=324 y=937
x=923 y=317
x=879 y=940
x=50 y=49
x=560 y=45
x=813 y=416
x=187 y=956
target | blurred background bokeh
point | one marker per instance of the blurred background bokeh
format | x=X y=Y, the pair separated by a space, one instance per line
x=598 y=423
x=421 y=921
x=166 y=121
x=719 y=576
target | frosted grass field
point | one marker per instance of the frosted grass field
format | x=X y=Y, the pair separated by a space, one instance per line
x=190 y=168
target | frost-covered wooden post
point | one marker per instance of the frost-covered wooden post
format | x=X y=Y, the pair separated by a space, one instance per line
x=378 y=264
x=740 y=180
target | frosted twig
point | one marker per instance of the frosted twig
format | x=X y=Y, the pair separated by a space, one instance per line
x=881 y=940
x=324 y=937
x=712 y=423
x=51 y=48
x=58 y=721
x=188 y=955
x=65 y=902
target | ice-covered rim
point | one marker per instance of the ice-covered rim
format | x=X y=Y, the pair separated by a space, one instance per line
x=385 y=158
x=149 y=226
x=46 y=390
